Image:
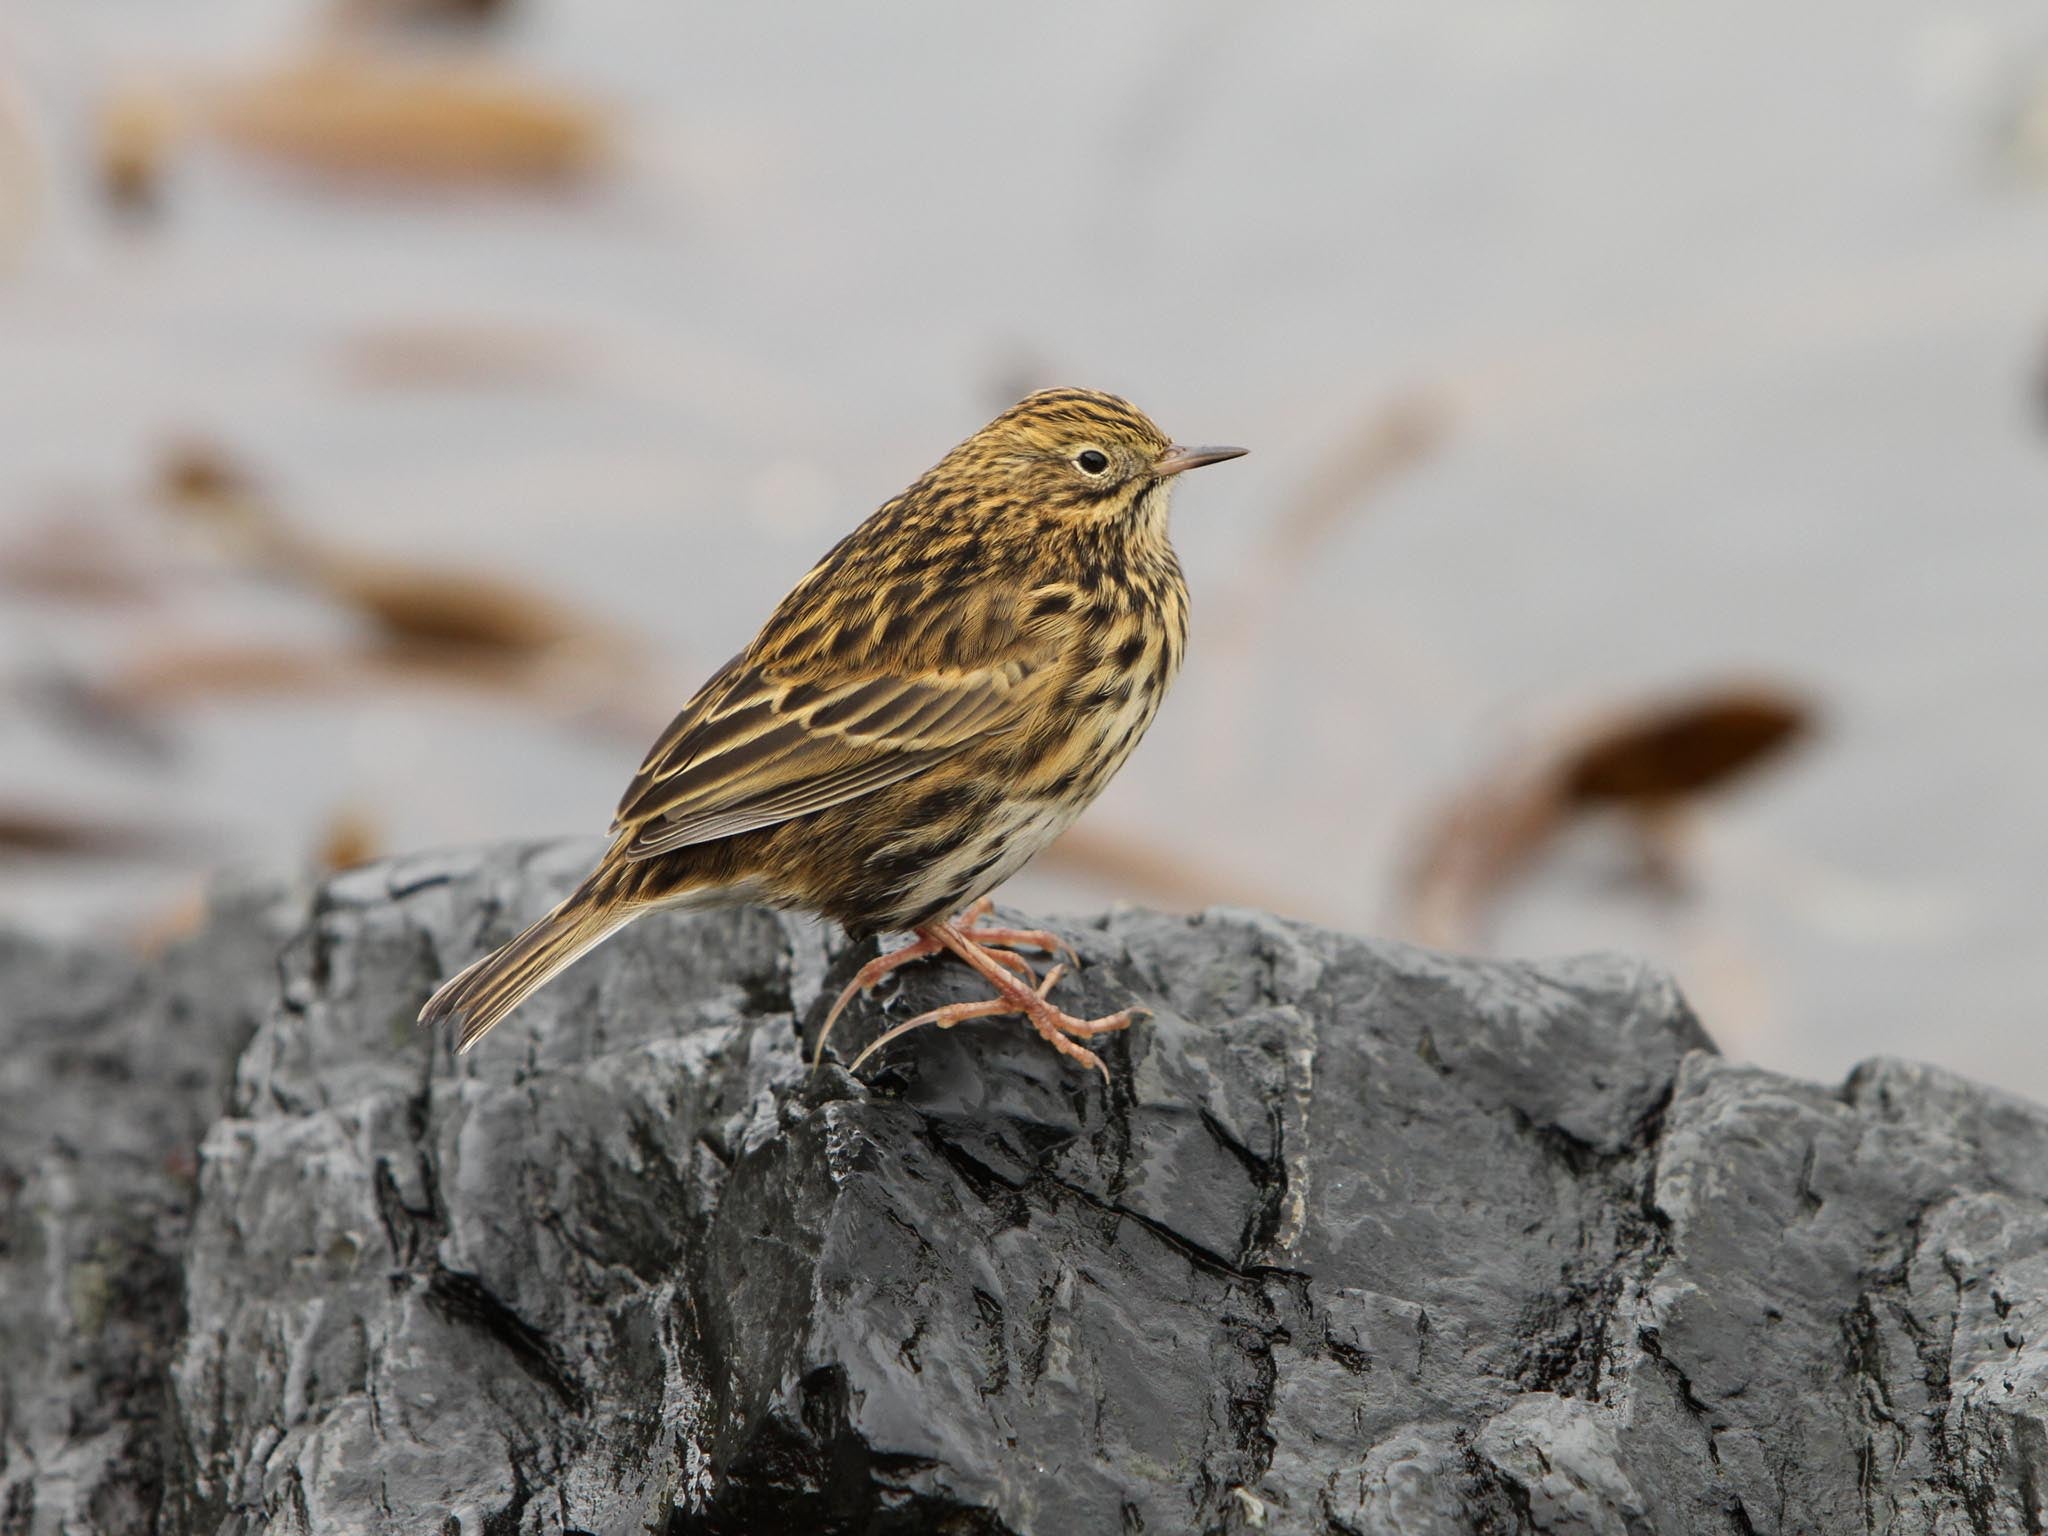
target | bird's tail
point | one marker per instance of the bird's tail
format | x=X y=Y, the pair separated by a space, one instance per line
x=477 y=998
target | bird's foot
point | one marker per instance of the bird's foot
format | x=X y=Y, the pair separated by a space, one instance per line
x=1054 y=1024
x=974 y=923
x=949 y=1014
x=999 y=944
x=1059 y=1029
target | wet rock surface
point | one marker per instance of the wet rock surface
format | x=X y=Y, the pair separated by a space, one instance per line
x=1359 y=1239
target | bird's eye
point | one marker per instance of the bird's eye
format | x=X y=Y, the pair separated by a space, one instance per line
x=1091 y=461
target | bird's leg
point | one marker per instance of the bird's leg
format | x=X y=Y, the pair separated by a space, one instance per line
x=870 y=975
x=975 y=918
x=949 y=1014
x=867 y=977
x=1050 y=1022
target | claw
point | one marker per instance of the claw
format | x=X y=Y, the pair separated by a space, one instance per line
x=949 y=1014
x=993 y=942
x=865 y=979
x=991 y=952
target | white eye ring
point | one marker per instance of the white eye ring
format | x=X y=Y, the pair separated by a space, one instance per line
x=1091 y=461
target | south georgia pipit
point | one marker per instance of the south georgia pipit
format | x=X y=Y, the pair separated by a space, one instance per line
x=930 y=706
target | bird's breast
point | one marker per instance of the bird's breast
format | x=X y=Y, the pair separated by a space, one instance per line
x=1122 y=658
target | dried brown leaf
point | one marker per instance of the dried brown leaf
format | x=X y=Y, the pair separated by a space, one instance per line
x=368 y=114
x=207 y=483
x=578 y=685
x=349 y=838
x=184 y=675
x=75 y=561
x=1671 y=749
x=31 y=831
x=139 y=127
x=449 y=354
x=418 y=610
x=1472 y=848
x=1650 y=759
x=450 y=610
x=197 y=473
x=180 y=675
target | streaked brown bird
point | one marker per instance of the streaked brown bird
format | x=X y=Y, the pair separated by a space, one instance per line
x=930 y=706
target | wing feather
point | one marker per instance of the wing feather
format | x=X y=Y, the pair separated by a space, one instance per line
x=753 y=750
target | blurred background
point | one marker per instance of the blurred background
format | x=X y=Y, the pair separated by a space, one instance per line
x=404 y=403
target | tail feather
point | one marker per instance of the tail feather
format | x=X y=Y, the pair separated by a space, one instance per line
x=478 y=997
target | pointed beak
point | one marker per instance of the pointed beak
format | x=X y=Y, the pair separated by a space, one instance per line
x=1177 y=458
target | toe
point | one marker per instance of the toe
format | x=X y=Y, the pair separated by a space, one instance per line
x=1106 y=1025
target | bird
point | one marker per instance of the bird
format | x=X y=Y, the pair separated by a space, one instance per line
x=933 y=703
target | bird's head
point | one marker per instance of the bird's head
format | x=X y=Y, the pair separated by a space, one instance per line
x=1079 y=453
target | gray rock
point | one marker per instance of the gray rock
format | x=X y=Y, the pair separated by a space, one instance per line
x=110 y=1073
x=1359 y=1239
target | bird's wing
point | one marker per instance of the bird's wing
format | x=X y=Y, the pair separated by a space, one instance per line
x=753 y=749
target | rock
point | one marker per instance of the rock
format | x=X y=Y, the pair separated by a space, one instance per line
x=110 y=1074
x=1359 y=1239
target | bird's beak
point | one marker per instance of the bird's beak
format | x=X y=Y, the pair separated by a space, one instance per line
x=1177 y=458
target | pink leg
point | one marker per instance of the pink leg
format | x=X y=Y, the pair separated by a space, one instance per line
x=871 y=974
x=947 y=1016
x=1055 y=1026
x=974 y=921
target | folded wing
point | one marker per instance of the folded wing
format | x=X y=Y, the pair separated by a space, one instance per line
x=753 y=749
